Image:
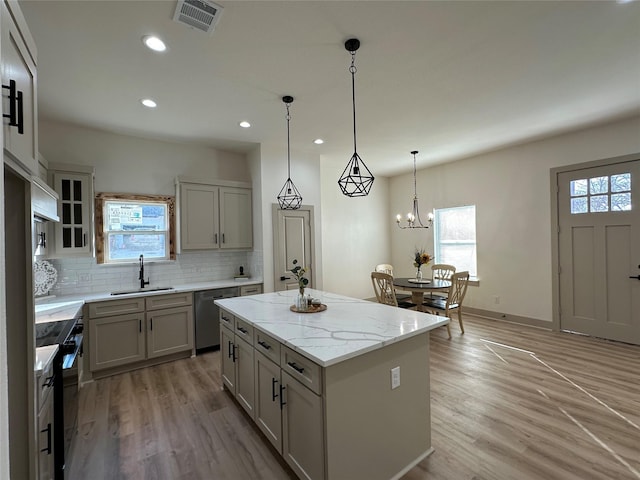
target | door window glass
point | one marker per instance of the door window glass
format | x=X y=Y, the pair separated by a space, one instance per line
x=601 y=194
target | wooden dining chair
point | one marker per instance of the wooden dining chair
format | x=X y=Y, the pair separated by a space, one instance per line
x=453 y=301
x=385 y=292
x=441 y=271
x=388 y=268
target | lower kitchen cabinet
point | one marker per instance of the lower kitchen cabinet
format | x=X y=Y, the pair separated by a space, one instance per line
x=46 y=464
x=238 y=365
x=169 y=331
x=285 y=400
x=115 y=341
x=128 y=332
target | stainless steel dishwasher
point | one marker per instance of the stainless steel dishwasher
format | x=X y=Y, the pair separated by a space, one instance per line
x=207 y=316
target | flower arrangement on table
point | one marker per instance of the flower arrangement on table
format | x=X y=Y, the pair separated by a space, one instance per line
x=420 y=258
x=299 y=272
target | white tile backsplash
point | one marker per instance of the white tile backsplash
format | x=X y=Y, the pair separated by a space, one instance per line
x=83 y=275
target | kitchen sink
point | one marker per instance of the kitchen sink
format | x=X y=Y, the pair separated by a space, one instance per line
x=141 y=290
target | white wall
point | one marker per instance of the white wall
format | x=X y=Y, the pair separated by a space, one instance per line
x=511 y=191
x=305 y=174
x=355 y=233
x=126 y=164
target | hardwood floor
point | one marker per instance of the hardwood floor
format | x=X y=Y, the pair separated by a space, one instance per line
x=508 y=402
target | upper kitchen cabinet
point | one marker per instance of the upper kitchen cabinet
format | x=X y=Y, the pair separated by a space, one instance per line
x=214 y=216
x=19 y=89
x=74 y=232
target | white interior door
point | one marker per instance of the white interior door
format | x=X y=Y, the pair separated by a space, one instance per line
x=292 y=239
x=599 y=251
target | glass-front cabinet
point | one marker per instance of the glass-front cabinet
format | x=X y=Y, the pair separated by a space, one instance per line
x=74 y=232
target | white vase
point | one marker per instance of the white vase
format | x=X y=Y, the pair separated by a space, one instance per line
x=419 y=274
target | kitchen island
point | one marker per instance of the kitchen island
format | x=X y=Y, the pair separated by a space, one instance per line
x=341 y=394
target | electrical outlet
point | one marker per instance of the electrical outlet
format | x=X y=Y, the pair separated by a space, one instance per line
x=395 y=377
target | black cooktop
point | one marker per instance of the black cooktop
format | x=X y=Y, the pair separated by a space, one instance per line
x=50 y=333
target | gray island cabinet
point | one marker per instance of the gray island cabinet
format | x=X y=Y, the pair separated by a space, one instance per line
x=341 y=394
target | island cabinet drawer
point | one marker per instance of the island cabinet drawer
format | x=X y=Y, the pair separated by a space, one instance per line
x=244 y=330
x=116 y=307
x=266 y=345
x=302 y=369
x=170 y=300
x=227 y=320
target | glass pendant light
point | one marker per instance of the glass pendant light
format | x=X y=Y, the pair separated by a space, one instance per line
x=413 y=218
x=356 y=179
x=289 y=197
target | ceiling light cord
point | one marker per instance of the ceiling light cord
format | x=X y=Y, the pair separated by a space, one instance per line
x=288 y=117
x=353 y=71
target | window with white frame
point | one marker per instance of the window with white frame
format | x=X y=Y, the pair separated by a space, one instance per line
x=128 y=226
x=455 y=238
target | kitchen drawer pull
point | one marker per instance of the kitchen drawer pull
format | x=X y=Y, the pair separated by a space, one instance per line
x=225 y=319
x=274 y=395
x=295 y=367
x=282 y=402
x=264 y=345
x=48 y=447
x=243 y=330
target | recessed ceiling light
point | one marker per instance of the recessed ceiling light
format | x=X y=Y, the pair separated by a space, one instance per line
x=154 y=43
x=318 y=141
x=147 y=102
x=244 y=124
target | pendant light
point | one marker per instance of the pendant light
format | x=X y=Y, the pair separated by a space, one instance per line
x=356 y=179
x=289 y=197
x=413 y=218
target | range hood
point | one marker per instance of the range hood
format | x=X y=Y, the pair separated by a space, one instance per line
x=44 y=200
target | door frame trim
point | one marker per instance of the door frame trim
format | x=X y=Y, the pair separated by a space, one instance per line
x=555 y=224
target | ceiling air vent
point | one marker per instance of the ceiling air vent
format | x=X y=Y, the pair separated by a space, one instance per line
x=198 y=14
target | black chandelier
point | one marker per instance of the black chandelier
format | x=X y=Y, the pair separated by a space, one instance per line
x=289 y=197
x=413 y=218
x=356 y=179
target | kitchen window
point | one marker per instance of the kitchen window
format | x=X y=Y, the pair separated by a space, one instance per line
x=455 y=238
x=128 y=226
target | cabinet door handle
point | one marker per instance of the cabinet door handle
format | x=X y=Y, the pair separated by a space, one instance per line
x=295 y=367
x=20 y=114
x=140 y=326
x=48 y=447
x=636 y=277
x=48 y=381
x=223 y=238
x=274 y=395
x=264 y=345
x=243 y=330
x=12 y=115
x=229 y=350
x=215 y=238
x=282 y=402
x=234 y=353
x=151 y=321
x=283 y=278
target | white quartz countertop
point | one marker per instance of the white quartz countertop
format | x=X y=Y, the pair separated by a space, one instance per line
x=46 y=306
x=348 y=328
x=44 y=357
x=58 y=311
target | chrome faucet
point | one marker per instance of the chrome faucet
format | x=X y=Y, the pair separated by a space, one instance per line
x=141 y=276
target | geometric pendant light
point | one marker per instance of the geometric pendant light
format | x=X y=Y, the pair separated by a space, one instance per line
x=356 y=179
x=289 y=197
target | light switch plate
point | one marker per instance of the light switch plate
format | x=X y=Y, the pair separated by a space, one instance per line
x=395 y=377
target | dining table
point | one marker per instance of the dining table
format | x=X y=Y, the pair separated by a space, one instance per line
x=419 y=286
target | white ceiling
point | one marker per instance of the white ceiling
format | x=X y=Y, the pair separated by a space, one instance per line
x=450 y=78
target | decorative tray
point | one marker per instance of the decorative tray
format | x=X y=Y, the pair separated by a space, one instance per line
x=311 y=309
x=419 y=280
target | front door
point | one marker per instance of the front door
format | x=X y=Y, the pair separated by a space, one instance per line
x=599 y=251
x=292 y=240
